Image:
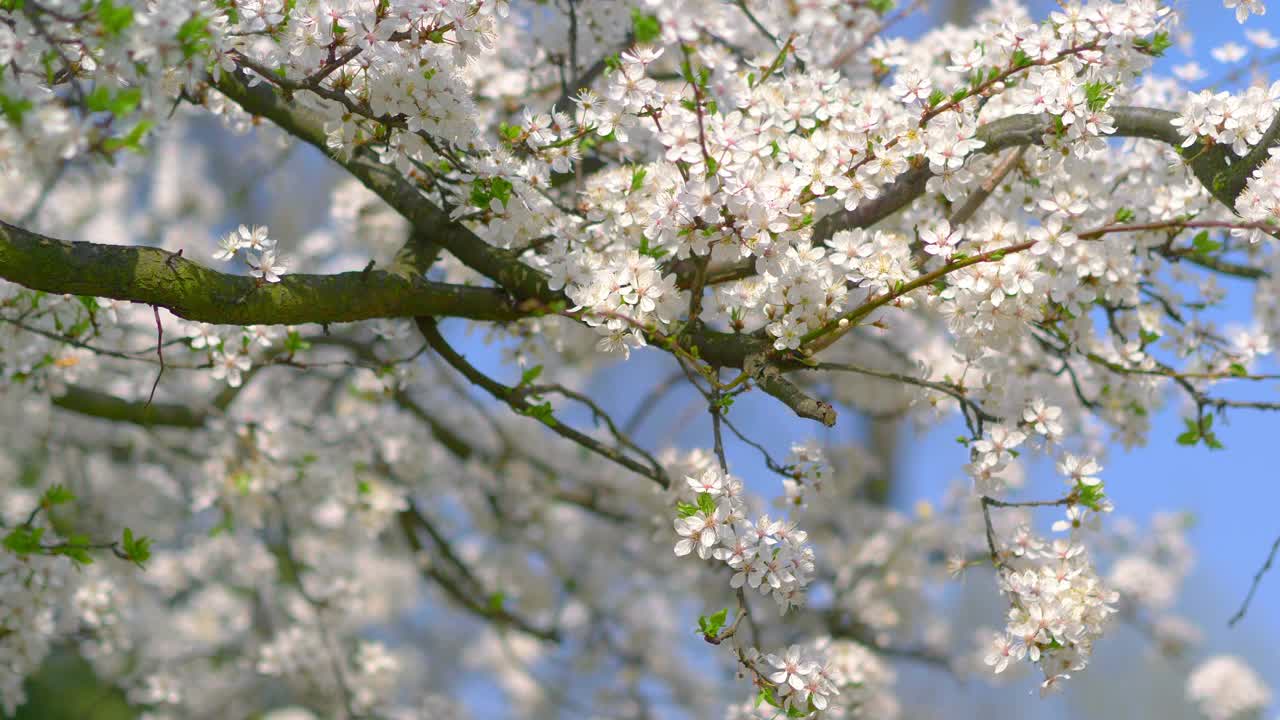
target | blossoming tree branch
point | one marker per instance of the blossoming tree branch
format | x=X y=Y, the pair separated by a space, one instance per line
x=243 y=461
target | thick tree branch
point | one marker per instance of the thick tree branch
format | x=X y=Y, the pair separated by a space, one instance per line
x=192 y=291
x=501 y=266
x=1209 y=164
x=1019 y=130
x=94 y=403
x=769 y=377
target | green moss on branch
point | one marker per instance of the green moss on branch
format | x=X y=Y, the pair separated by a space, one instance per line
x=195 y=292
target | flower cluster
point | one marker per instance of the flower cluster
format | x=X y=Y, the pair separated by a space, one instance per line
x=1224 y=687
x=1236 y=120
x=766 y=555
x=1058 y=604
x=1260 y=200
x=263 y=263
x=33 y=593
x=826 y=678
x=230 y=355
x=1059 y=607
x=806 y=469
x=1245 y=7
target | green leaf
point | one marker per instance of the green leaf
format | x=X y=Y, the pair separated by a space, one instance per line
x=685 y=509
x=126 y=101
x=1154 y=47
x=78 y=554
x=23 y=540
x=711 y=625
x=1097 y=94
x=637 y=178
x=936 y=97
x=1202 y=245
x=766 y=695
x=1124 y=215
x=56 y=495
x=137 y=549
x=99 y=99
x=501 y=189
x=132 y=141
x=121 y=103
x=706 y=503
x=646 y=28
x=654 y=252
x=1238 y=370
x=1192 y=434
x=528 y=376
x=114 y=18
x=496 y=599
x=14 y=110
x=194 y=36
x=294 y=342
x=542 y=412
x=1201 y=430
x=1091 y=496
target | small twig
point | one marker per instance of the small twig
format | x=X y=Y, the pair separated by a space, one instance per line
x=715 y=408
x=984 y=191
x=769 y=461
x=732 y=630
x=155 y=309
x=989 y=502
x=1253 y=588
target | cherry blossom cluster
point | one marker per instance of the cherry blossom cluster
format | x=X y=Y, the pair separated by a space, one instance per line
x=1235 y=120
x=748 y=197
x=263 y=264
x=1059 y=605
x=34 y=599
x=765 y=554
x=1058 y=608
x=1225 y=687
x=807 y=469
x=230 y=353
x=826 y=678
x=1245 y=7
x=1260 y=200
